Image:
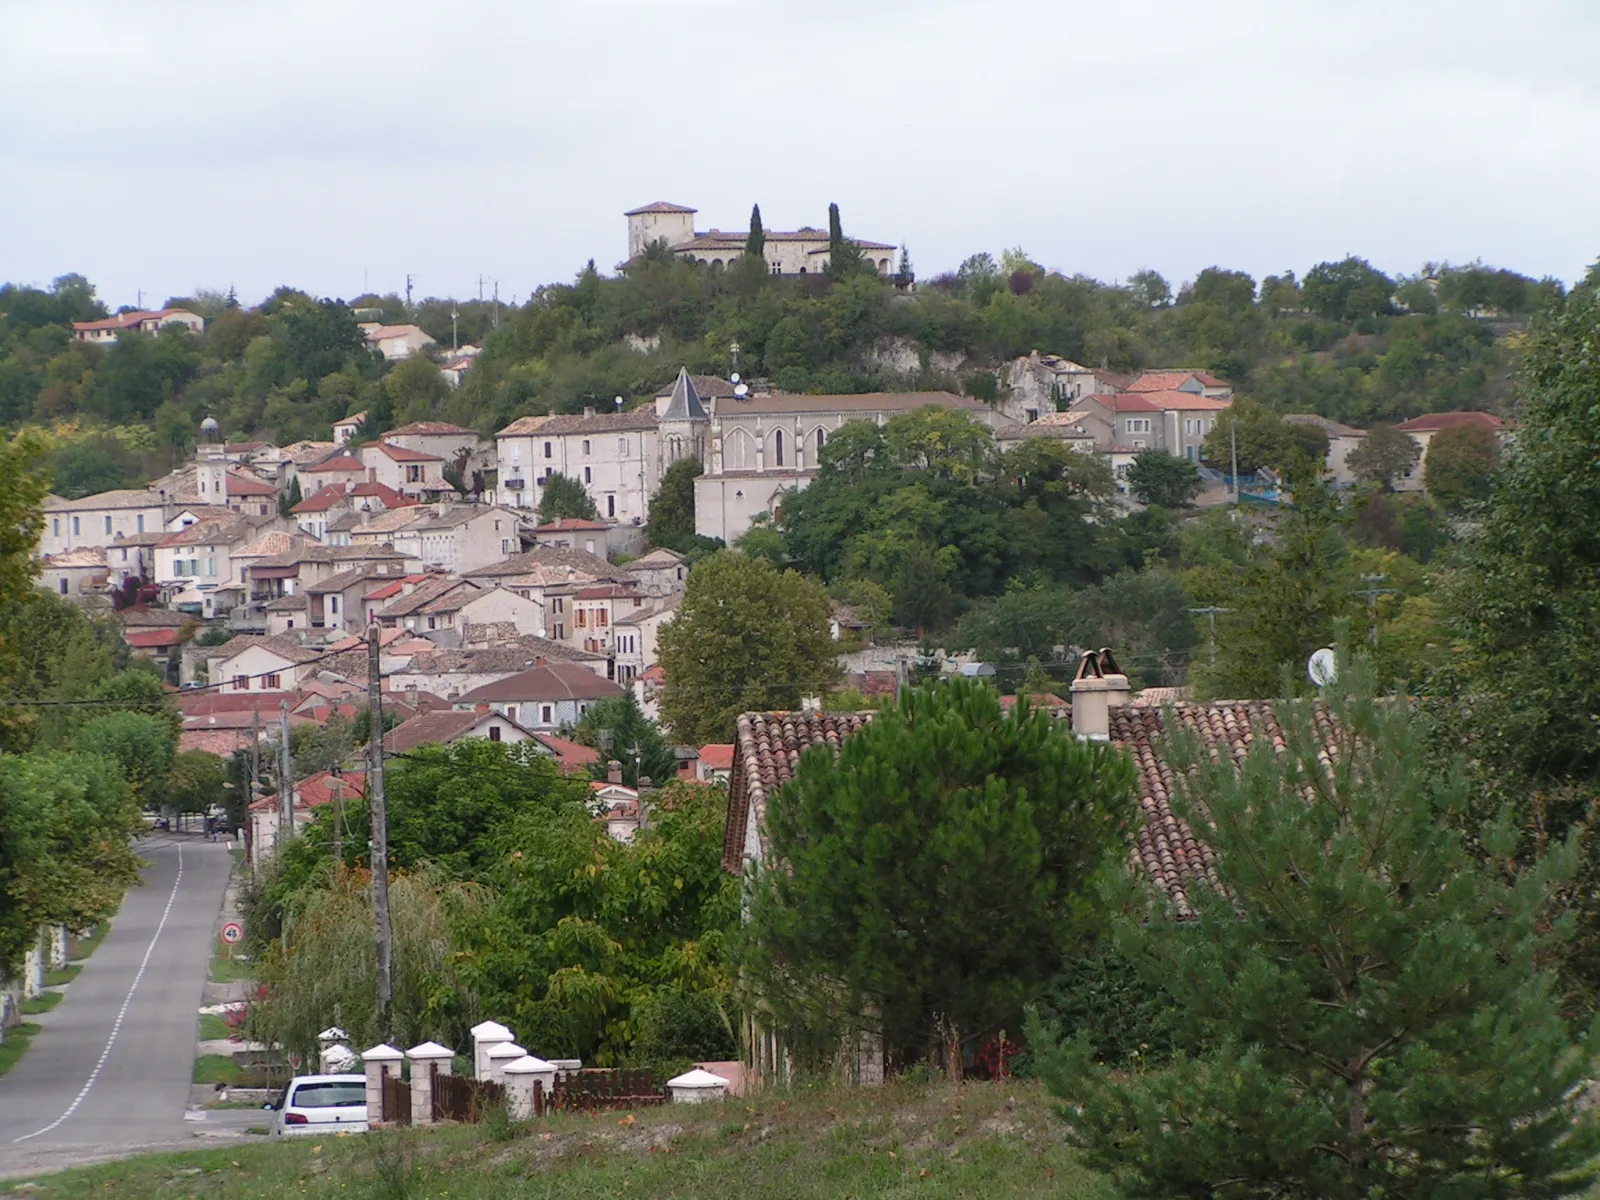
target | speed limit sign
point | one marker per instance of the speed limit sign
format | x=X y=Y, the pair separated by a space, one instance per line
x=233 y=933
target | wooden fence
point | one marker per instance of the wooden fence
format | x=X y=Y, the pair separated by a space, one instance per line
x=595 y=1090
x=458 y=1098
x=396 y=1100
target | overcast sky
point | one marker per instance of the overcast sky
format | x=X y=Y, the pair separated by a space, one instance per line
x=336 y=146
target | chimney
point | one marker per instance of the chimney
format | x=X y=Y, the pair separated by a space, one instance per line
x=538 y=660
x=482 y=708
x=588 y=410
x=1098 y=687
x=613 y=771
x=422 y=705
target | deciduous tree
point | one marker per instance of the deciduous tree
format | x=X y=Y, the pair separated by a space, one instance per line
x=1157 y=477
x=1459 y=465
x=565 y=499
x=746 y=637
x=1384 y=455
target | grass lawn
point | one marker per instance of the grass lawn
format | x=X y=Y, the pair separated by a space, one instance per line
x=216 y=1068
x=81 y=948
x=63 y=975
x=228 y=970
x=41 y=1004
x=213 y=1028
x=932 y=1141
x=17 y=1039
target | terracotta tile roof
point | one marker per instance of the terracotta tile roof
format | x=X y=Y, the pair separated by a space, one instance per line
x=1125 y=402
x=322 y=499
x=316 y=790
x=343 y=461
x=1165 y=847
x=718 y=756
x=352 y=420
x=509 y=657
x=150 y=639
x=660 y=206
x=573 y=525
x=242 y=485
x=431 y=427
x=227 y=529
x=141 y=615
x=546 y=565
x=1331 y=428
x=437 y=728
x=1171 y=381
x=400 y=453
x=572 y=758
x=1155 y=697
x=552 y=681
x=269 y=545
x=1433 y=422
x=1177 y=401
x=201 y=704
x=394 y=588
x=128 y=320
x=382 y=491
x=658 y=559
x=769 y=747
x=305 y=452
x=383 y=333
x=430 y=589
x=224 y=743
x=787 y=402
x=628 y=421
x=84 y=556
x=121 y=498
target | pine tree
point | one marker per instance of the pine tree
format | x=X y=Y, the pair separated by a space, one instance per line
x=931 y=874
x=1366 y=1011
x=755 y=246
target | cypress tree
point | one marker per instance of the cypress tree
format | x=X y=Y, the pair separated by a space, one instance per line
x=755 y=246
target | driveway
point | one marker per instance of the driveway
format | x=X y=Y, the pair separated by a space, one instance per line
x=110 y=1071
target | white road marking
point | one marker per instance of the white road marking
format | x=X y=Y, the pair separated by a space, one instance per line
x=116 y=1025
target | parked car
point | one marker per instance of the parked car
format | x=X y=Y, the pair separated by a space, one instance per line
x=321 y=1104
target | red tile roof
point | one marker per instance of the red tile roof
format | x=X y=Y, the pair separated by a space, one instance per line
x=243 y=485
x=1124 y=402
x=660 y=206
x=437 y=728
x=549 y=682
x=572 y=524
x=1164 y=846
x=1434 y=422
x=401 y=454
x=718 y=756
x=344 y=461
x=316 y=790
x=128 y=319
x=1170 y=381
x=572 y=758
x=322 y=499
x=149 y=639
x=431 y=427
x=1176 y=401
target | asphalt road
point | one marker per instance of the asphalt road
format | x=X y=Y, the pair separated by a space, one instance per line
x=110 y=1071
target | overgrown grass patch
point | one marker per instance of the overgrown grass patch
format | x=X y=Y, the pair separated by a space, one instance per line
x=61 y=976
x=216 y=1068
x=79 y=948
x=228 y=970
x=17 y=1039
x=932 y=1140
x=214 y=1028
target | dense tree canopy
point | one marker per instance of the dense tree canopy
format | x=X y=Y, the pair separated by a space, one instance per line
x=1459 y=465
x=927 y=882
x=746 y=637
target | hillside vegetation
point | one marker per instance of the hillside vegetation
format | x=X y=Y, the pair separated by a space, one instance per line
x=1345 y=341
x=935 y=1141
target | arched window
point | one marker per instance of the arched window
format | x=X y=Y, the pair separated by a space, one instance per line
x=736 y=451
x=777 y=448
x=822 y=440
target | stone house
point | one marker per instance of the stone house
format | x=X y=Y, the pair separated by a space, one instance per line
x=547 y=697
x=452 y=673
x=338 y=470
x=318 y=511
x=637 y=636
x=1422 y=429
x=76 y=574
x=446 y=727
x=660 y=572
x=787 y=252
x=1342 y=440
x=395 y=342
x=449 y=536
x=414 y=473
x=99 y=520
x=613 y=454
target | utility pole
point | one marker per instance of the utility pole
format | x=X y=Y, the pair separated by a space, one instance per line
x=408 y=293
x=497 y=304
x=1210 y=613
x=1373 y=592
x=455 y=342
x=480 y=288
x=1233 y=450
x=380 y=828
x=337 y=784
x=286 y=774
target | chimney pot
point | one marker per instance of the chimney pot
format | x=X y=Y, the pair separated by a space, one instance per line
x=422 y=704
x=588 y=410
x=483 y=708
x=613 y=771
x=1098 y=688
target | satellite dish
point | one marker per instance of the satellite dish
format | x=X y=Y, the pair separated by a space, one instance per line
x=740 y=391
x=734 y=378
x=1323 y=667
